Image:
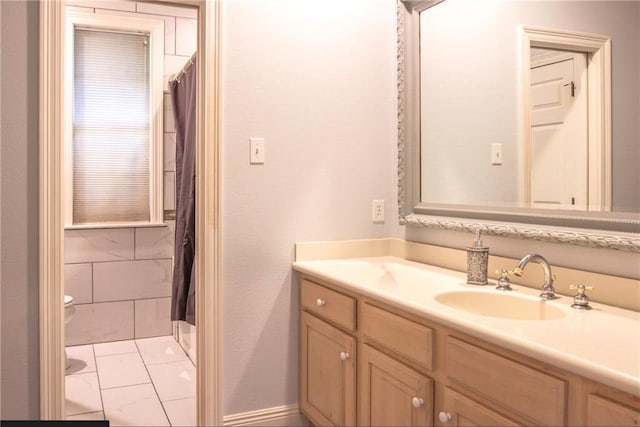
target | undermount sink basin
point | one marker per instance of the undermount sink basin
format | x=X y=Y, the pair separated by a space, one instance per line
x=498 y=304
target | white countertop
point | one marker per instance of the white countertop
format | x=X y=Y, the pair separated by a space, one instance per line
x=602 y=344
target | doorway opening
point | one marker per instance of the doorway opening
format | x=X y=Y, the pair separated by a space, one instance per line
x=209 y=303
x=126 y=362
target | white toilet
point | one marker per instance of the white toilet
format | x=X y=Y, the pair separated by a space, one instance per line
x=69 y=309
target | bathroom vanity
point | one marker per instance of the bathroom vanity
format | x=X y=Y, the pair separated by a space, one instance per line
x=379 y=345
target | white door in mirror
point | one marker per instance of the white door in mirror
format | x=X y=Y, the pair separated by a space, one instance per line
x=559 y=140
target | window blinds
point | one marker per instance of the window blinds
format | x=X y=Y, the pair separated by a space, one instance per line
x=111 y=127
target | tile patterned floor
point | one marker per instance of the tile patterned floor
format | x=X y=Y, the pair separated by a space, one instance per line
x=143 y=382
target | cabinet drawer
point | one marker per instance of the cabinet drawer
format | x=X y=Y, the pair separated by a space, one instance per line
x=329 y=304
x=526 y=391
x=605 y=412
x=405 y=337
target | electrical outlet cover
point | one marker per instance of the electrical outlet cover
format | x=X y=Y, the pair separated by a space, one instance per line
x=377 y=211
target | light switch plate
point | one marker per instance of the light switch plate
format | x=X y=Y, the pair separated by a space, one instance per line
x=256 y=147
x=496 y=153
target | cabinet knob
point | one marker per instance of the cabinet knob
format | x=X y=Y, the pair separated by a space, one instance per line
x=320 y=302
x=444 y=417
x=344 y=355
x=417 y=402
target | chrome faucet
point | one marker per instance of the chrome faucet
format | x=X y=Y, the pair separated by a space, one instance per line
x=547 y=288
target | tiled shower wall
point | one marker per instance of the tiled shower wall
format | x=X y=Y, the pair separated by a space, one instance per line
x=120 y=278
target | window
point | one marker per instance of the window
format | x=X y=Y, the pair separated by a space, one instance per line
x=114 y=120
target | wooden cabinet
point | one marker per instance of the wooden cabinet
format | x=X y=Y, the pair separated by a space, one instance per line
x=526 y=392
x=327 y=356
x=459 y=410
x=328 y=304
x=392 y=394
x=609 y=407
x=605 y=412
x=327 y=374
x=411 y=371
x=397 y=334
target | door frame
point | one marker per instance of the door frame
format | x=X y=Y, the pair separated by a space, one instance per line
x=208 y=260
x=598 y=48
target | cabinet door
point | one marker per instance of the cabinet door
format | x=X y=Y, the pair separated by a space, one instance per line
x=393 y=394
x=327 y=373
x=459 y=410
x=605 y=412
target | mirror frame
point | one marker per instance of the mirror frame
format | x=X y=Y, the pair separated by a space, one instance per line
x=619 y=231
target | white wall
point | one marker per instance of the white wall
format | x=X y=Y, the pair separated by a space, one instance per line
x=19 y=350
x=1 y=189
x=317 y=81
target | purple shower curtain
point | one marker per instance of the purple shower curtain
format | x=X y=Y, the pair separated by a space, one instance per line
x=183 y=96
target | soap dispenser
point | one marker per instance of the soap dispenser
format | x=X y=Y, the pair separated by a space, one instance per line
x=477 y=262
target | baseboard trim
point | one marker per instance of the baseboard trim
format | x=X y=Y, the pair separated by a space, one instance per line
x=286 y=416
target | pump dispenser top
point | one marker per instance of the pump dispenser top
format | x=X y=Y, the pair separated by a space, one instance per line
x=477 y=242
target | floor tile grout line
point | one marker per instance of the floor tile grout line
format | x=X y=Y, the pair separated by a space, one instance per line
x=128 y=385
x=118 y=353
x=95 y=362
x=173 y=340
x=169 y=362
x=179 y=398
x=146 y=366
x=85 y=413
x=139 y=357
x=81 y=371
x=171 y=335
x=155 y=389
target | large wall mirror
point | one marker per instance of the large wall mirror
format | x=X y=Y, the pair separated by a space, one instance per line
x=522 y=116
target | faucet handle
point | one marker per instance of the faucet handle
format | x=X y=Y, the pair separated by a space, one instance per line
x=504 y=284
x=581 y=288
x=581 y=300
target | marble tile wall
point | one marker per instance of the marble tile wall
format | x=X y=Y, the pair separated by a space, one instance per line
x=120 y=278
x=100 y=322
